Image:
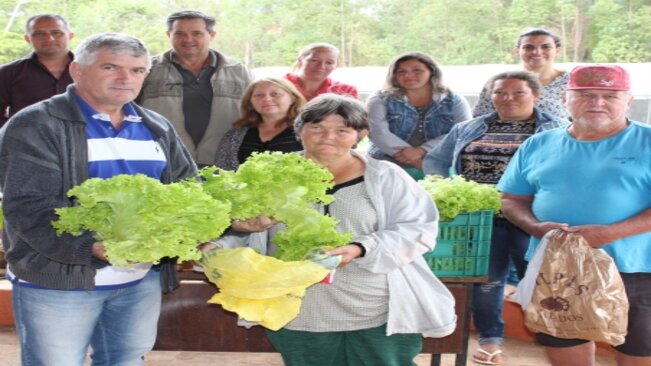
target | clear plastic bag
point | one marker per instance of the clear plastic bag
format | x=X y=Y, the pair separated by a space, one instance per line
x=527 y=284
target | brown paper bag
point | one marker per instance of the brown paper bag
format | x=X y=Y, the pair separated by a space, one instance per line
x=579 y=293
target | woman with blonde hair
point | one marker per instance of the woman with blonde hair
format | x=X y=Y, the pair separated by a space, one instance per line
x=268 y=109
x=313 y=66
x=413 y=112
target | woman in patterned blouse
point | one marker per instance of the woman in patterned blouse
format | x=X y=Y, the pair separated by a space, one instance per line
x=479 y=150
x=537 y=49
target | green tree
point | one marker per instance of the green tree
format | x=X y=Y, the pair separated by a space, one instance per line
x=624 y=38
x=555 y=15
x=368 y=32
x=458 y=32
x=140 y=18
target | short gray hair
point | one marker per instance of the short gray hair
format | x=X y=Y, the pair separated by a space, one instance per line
x=324 y=105
x=117 y=43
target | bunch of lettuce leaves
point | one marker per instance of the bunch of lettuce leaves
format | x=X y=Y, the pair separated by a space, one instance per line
x=285 y=187
x=456 y=195
x=139 y=219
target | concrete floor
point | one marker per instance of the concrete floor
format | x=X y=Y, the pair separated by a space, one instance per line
x=517 y=353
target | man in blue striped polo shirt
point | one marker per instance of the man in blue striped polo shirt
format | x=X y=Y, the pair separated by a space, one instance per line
x=66 y=296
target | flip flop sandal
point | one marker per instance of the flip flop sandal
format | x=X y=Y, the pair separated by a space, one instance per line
x=488 y=361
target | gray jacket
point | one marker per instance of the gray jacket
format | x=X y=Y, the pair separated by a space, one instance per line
x=407 y=229
x=163 y=93
x=43 y=153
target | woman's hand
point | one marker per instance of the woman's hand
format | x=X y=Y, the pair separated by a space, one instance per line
x=347 y=253
x=206 y=247
x=411 y=156
x=257 y=224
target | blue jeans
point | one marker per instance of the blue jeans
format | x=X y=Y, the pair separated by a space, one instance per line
x=56 y=327
x=509 y=243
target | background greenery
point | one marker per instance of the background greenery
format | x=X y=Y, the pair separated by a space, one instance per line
x=369 y=32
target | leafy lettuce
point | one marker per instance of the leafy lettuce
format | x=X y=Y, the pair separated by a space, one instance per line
x=139 y=219
x=457 y=195
x=285 y=187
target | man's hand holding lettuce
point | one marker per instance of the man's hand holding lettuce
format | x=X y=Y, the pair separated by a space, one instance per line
x=139 y=219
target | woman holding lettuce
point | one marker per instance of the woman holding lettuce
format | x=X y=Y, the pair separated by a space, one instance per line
x=384 y=297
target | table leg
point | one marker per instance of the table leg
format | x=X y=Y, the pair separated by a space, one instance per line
x=436 y=360
x=461 y=358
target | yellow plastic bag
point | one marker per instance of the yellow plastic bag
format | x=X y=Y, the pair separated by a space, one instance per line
x=260 y=288
x=578 y=293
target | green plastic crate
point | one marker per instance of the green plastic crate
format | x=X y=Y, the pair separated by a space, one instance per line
x=463 y=245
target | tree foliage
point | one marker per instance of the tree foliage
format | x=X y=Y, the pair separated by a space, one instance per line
x=270 y=32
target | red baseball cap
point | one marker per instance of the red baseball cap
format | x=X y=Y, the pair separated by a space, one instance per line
x=608 y=77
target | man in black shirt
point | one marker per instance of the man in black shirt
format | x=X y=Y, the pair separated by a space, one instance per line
x=41 y=74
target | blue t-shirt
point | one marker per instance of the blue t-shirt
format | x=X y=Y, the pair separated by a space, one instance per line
x=588 y=182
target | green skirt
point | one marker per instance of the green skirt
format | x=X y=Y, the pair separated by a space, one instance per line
x=366 y=347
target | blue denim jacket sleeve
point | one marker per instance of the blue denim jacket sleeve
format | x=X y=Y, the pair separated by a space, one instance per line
x=446 y=156
x=439 y=159
x=460 y=112
x=380 y=135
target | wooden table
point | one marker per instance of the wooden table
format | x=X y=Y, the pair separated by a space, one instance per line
x=189 y=323
x=457 y=342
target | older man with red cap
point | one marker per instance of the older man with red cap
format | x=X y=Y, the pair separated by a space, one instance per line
x=593 y=177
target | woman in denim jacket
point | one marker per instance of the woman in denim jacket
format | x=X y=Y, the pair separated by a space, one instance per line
x=480 y=150
x=413 y=112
